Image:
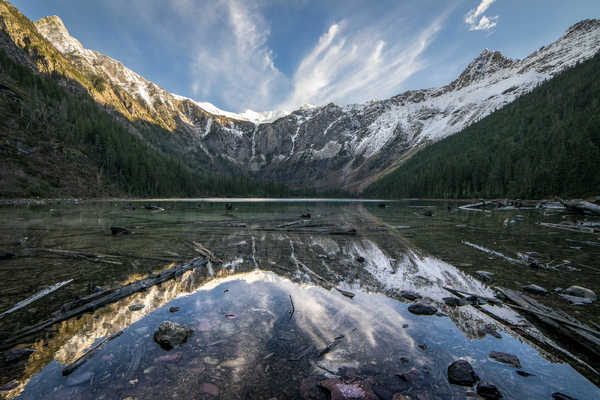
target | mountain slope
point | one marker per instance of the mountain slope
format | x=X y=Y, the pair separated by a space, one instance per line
x=547 y=143
x=331 y=146
x=57 y=138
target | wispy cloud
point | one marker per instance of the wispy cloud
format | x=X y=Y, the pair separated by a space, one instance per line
x=226 y=50
x=479 y=22
x=231 y=59
x=351 y=65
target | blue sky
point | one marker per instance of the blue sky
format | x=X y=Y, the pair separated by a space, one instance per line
x=279 y=54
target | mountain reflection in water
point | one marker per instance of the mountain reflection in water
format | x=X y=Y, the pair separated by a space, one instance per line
x=247 y=345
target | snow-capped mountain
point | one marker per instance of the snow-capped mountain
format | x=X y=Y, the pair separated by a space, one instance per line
x=332 y=146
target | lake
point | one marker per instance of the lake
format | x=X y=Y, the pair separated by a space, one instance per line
x=298 y=293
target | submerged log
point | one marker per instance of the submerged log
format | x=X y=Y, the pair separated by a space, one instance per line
x=88 y=354
x=199 y=248
x=111 y=297
x=581 y=206
x=541 y=341
x=560 y=324
x=37 y=296
x=494 y=253
x=569 y=227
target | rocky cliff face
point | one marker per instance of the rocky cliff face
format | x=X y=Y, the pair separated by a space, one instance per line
x=330 y=146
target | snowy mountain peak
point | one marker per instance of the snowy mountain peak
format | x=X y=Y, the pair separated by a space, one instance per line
x=488 y=62
x=584 y=26
x=55 y=31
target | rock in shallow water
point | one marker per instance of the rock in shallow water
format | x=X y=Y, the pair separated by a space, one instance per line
x=485 y=276
x=209 y=388
x=170 y=334
x=506 y=358
x=16 y=354
x=422 y=309
x=408 y=295
x=579 y=291
x=454 y=301
x=488 y=391
x=460 y=372
x=535 y=289
x=349 y=388
x=561 y=396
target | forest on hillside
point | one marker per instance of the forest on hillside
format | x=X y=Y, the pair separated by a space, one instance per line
x=48 y=131
x=546 y=143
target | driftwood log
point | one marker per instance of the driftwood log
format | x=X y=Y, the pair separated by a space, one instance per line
x=540 y=341
x=96 y=301
x=560 y=324
x=37 y=296
x=88 y=354
x=581 y=206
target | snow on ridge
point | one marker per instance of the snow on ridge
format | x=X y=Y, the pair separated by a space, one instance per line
x=248 y=115
x=438 y=116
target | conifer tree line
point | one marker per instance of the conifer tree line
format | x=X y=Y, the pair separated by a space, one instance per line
x=544 y=144
x=127 y=161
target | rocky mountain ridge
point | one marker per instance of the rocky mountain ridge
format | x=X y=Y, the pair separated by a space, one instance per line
x=329 y=146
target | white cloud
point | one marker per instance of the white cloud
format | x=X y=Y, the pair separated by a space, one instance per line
x=233 y=59
x=484 y=23
x=226 y=48
x=350 y=65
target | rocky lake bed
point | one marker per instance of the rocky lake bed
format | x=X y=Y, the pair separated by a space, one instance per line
x=259 y=299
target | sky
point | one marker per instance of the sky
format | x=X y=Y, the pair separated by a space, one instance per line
x=281 y=54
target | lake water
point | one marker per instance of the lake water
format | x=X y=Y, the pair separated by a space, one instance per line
x=263 y=318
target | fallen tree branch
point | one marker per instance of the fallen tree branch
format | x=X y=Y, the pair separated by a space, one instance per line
x=293 y=308
x=569 y=227
x=199 y=248
x=494 y=253
x=581 y=206
x=88 y=354
x=37 y=296
x=540 y=341
x=111 y=297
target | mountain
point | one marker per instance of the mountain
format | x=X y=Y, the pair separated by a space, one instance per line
x=65 y=131
x=546 y=143
x=332 y=146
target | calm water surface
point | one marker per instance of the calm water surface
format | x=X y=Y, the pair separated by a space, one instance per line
x=245 y=344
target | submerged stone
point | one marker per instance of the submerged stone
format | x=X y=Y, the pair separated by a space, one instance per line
x=136 y=307
x=170 y=334
x=422 y=309
x=485 y=276
x=505 y=358
x=209 y=388
x=349 y=388
x=461 y=372
x=535 y=289
x=561 y=396
x=118 y=231
x=454 y=301
x=579 y=291
x=9 y=386
x=408 y=295
x=488 y=391
x=578 y=301
x=524 y=373
x=13 y=355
